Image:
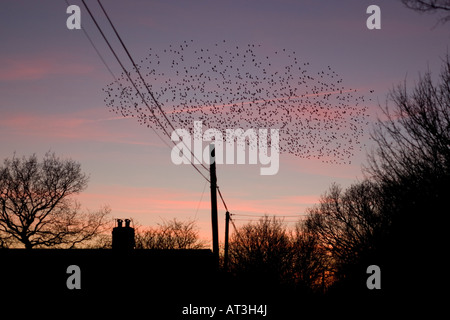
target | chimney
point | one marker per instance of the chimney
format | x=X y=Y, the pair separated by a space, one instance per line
x=123 y=237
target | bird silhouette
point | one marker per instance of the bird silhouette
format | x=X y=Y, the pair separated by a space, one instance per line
x=228 y=86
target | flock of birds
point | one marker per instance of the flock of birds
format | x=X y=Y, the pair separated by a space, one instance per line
x=228 y=86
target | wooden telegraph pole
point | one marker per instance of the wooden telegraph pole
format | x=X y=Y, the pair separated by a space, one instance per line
x=227 y=229
x=215 y=227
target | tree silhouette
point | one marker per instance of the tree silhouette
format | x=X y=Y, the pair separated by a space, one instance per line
x=412 y=159
x=261 y=249
x=349 y=225
x=311 y=261
x=392 y=218
x=36 y=208
x=272 y=257
x=414 y=137
x=412 y=164
x=432 y=6
x=171 y=234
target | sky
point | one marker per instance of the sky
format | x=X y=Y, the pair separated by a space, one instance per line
x=52 y=95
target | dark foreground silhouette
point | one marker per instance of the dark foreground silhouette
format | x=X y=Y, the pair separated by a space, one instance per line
x=161 y=284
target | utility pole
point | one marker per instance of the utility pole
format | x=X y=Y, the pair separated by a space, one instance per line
x=227 y=229
x=213 y=179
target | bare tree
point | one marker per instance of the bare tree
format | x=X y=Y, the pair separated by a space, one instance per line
x=349 y=225
x=412 y=157
x=171 y=234
x=311 y=262
x=414 y=137
x=273 y=255
x=262 y=248
x=36 y=205
x=442 y=6
x=412 y=164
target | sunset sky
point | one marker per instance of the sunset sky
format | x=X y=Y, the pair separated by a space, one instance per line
x=51 y=96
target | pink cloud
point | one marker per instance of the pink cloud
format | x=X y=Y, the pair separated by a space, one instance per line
x=148 y=206
x=78 y=126
x=321 y=168
x=152 y=201
x=144 y=203
x=35 y=67
x=277 y=205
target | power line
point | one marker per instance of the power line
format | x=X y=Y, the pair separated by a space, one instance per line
x=253 y=220
x=112 y=73
x=262 y=216
x=96 y=50
x=121 y=65
x=142 y=79
x=131 y=80
x=221 y=197
x=200 y=201
x=235 y=229
x=144 y=83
